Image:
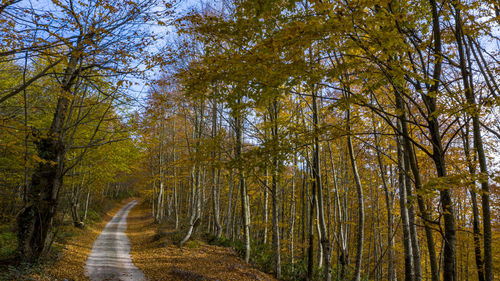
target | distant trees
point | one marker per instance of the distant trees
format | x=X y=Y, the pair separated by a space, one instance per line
x=339 y=109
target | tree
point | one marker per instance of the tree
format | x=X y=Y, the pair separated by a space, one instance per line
x=96 y=41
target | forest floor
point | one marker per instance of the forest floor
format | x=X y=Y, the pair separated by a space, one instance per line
x=155 y=252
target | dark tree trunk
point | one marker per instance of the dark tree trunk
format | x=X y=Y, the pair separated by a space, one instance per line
x=438 y=154
x=475 y=210
x=478 y=145
x=35 y=220
x=273 y=113
x=408 y=255
x=418 y=186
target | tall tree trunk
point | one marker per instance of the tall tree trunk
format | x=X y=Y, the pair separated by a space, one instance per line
x=319 y=253
x=449 y=255
x=304 y=211
x=388 y=206
x=266 y=204
x=176 y=202
x=276 y=234
x=266 y=192
x=361 y=208
x=478 y=145
x=245 y=216
x=316 y=169
x=310 y=231
x=86 y=205
x=343 y=258
x=292 y=211
x=75 y=201
x=160 y=202
x=475 y=210
x=415 y=248
x=408 y=256
x=234 y=225
x=229 y=202
x=195 y=218
x=26 y=129
x=418 y=185
x=35 y=219
x=273 y=113
x=215 y=197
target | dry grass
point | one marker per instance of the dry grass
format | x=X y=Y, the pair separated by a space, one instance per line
x=160 y=259
x=74 y=255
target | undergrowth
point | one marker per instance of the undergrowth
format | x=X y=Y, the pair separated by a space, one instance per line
x=262 y=258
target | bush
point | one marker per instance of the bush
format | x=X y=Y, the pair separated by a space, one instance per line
x=93 y=216
x=193 y=244
x=223 y=242
x=262 y=256
x=22 y=271
x=294 y=271
x=237 y=245
x=8 y=244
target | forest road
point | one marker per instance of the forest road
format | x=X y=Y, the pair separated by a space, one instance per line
x=110 y=257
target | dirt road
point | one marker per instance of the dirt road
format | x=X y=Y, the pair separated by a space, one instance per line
x=110 y=257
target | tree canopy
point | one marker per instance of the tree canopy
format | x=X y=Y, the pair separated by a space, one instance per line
x=324 y=140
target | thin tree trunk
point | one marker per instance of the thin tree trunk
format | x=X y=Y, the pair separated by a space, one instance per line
x=343 y=258
x=475 y=209
x=159 y=202
x=229 y=201
x=175 y=182
x=276 y=235
x=274 y=189
x=266 y=204
x=26 y=185
x=196 y=178
x=310 y=233
x=407 y=145
x=235 y=226
x=415 y=248
x=324 y=239
x=194 y=221
x=361 y=209
x=388 y=205
x=408 y=256
x=245 y=216
x=86 y=205
x=478 y=145
x=292 y=211
x=215 y=198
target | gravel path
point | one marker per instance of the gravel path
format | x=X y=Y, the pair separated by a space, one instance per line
x=110 y=257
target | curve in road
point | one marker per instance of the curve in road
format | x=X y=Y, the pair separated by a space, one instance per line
x=110 y=257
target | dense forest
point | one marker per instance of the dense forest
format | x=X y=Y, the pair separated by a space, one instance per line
x=322 y=140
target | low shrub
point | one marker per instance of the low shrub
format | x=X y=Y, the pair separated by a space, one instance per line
x=262 y=256
x=193 y=244
x=8 y=244
x=22 y=271
x=93 y=216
